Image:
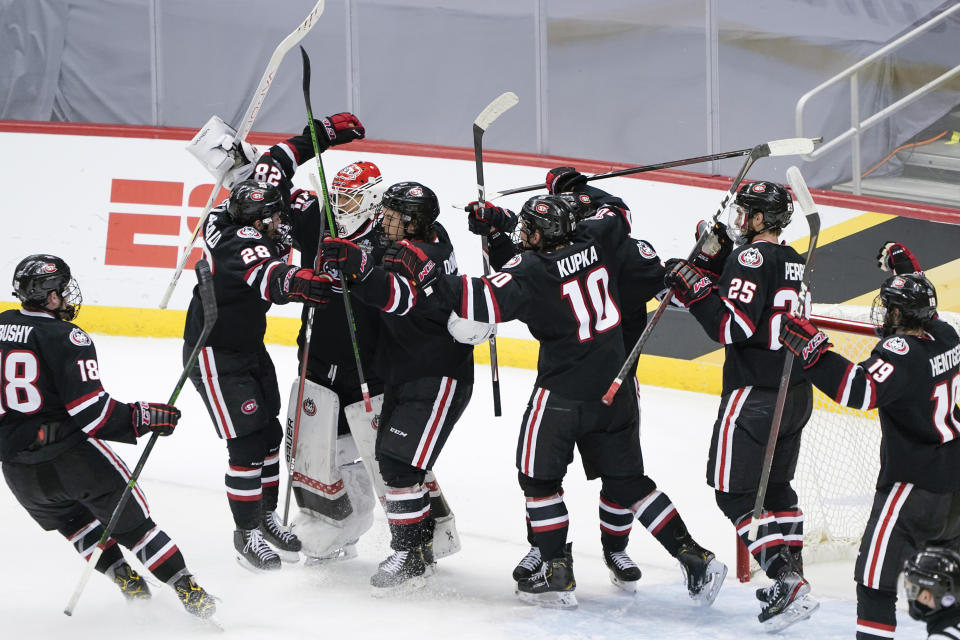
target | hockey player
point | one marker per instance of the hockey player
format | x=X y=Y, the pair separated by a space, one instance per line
x=742 y=309
x=427 y=376
x=931 y=580
x=639 y=280
x=564 y=287
x=913 y=378
x=54 y=420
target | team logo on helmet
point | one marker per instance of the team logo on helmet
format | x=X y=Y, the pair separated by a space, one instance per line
x=541 y=207
x=751 y=258
x=256 y=195
x=897 y=345
x=584 y=198
x=375 y=423
x=49 y=268
x=416 y=191
x=248 y=232
x=309 y=407
x=249 y=407
x=646 y=250
x=897 y=283
x=759 y=187
x=351 y=171
x=79 y=338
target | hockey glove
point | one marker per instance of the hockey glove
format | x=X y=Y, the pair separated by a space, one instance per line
x=303 y=285
x=488 y=218
x=715 y=249
x=340 y=128
x=802 y=337
x=689 y=284
x=895 y=257
x=154 y=417
x=353 y=262
x=409 y=261
x=564 y=179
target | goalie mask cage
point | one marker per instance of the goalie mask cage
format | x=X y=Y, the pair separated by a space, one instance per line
x=839 y=453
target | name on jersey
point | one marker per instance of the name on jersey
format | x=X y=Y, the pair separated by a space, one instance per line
x=573 y=263
x=946 y=361
x=794 y=271
x=14 y=332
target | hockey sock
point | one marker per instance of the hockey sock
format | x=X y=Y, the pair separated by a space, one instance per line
x=782 y=500
x=769 y=547
x=270 y=479
x=876 y=613
x=549 y=520
x=615 y=524
x=657 y=513
x=244 y=493
x=408 y=509
x=156 y=551
x=85 y=538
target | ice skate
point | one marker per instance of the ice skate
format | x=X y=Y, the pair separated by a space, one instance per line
x=402 y=571
x=286 y=544
x=552 y=586
x=787 y=602
x=131 y=583
x=253 y=552
x=702 y=571
x=195 y=599
x=624 y=572
x=529 y=565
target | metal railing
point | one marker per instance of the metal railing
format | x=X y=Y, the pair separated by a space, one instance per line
x=858 y=126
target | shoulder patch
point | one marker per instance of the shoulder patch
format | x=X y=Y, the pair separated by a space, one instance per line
x=248 y=232
x=646 y=250
x=512 y=262
x=896 y=345
x=750 y=258
x=79 y=338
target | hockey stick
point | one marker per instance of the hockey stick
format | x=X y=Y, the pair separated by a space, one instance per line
x=802 y=194
x=209 y=305
x=245 y=126
x=645 y=168
x=320 y=185
x=491 y=112
x=784 y=147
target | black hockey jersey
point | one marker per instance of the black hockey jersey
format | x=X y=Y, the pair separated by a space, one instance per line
x=414 y=342
x=248 y=276
x=760 y=282
x=570 y=301
x=914 y=382
x=49 y=375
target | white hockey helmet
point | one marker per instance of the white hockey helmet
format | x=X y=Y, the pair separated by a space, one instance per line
x=356 y=192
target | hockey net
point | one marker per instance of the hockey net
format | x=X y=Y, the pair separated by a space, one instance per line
x=839 y=453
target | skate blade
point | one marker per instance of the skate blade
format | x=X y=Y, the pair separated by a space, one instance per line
x=549 y=599
x=338 y=555
x=716 y=574
x=630 y=586
x=408 y=586
x=211 y=621
x=243 y=562
x=797 y=611
x=289 y=557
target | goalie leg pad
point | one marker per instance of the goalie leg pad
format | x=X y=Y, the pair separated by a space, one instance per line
x=446 y=540
x=317 y=483
x=363 y=427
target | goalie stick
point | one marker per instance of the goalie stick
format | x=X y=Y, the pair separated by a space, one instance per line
x=800 y=190
x=209 y=304
x=784 y=147
x=491 y=112
x=320 y=186
x=266 y=80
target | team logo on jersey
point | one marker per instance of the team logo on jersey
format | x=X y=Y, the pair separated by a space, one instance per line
x=248 y=407
x=375 y=423
x=248 y=232
x=512 y=262
x=79 y=338
x=309 y=407
x=49 y=268
x=897 y=345
x=415 y=191
x=646 y=250
x=751 y=258
x=584 y=198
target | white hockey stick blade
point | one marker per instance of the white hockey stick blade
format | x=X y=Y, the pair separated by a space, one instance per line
x=800 y=190
x=501 y=103
x=791 y=146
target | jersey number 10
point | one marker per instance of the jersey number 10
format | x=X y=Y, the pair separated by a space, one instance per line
x=605 y=313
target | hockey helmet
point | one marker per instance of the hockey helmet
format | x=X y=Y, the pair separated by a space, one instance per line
x=415 y=203
x=552 y=216
x=912 y=295
x=252 y=200
x=39 y=274
x=935 y=570
x=770 y=199
x=356 y=191
x=582 y=205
